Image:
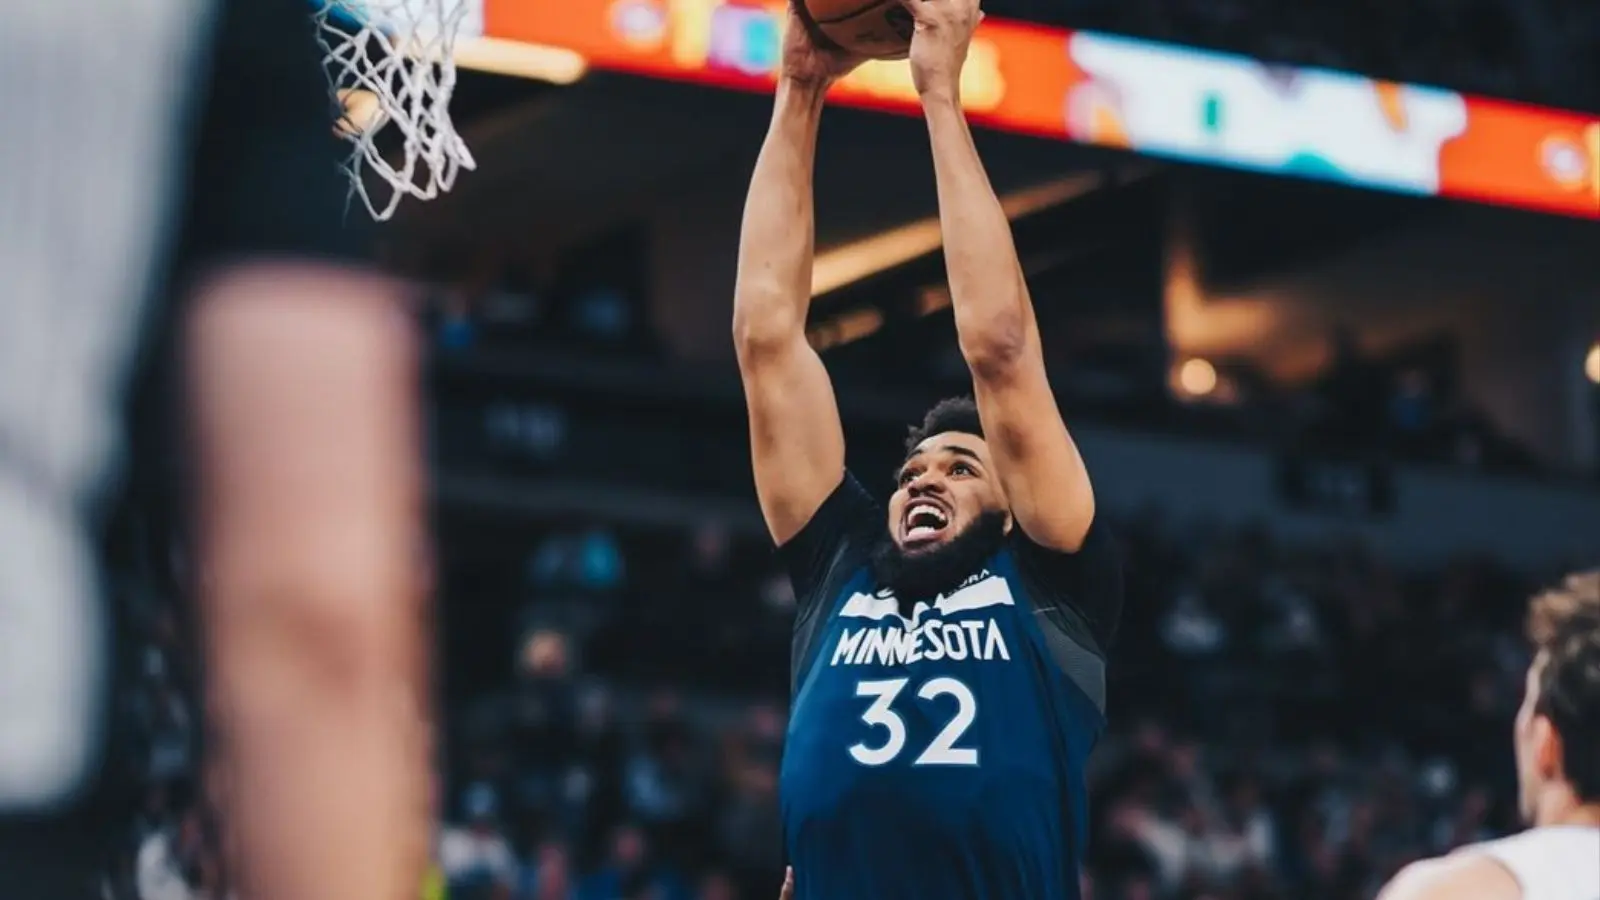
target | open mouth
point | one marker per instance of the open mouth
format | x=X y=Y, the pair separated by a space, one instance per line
x=925 y=521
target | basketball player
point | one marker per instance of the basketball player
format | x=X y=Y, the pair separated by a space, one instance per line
x=948 y=654
x=186 y=146
x=1557 y=741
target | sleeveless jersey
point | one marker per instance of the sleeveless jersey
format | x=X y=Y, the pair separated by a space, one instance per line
x=939 y=751
x=1554 y=863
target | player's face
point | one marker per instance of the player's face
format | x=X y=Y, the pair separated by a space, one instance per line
x=946 y=485
x=1533 y=739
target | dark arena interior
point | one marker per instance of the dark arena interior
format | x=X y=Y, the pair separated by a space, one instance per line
x=1337 y=387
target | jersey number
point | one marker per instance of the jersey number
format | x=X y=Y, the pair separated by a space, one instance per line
x=942 y=751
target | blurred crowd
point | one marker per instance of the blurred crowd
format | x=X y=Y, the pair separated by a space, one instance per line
x=1288 y=721
x=1404 y=404
x=1300 y=721
x=168 y=849
x=1541 y=51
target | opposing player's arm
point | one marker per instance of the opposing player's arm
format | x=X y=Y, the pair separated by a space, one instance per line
x=310 y=510
x=1453 y=878
x=1038 y=463
x=796 y=439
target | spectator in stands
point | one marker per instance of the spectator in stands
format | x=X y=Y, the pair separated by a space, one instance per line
x=717 y=885
x=173 y=863
x=630 y=872
x=595 y=795
x=549 y=874
x=665 y=784
x=476 y=857
x=543 y=721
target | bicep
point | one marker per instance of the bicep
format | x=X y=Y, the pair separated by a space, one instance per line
x=1045 y=480
x=796 y=438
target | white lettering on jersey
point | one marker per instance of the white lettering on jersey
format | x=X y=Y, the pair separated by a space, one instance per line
x=981 y=640
x=900 y=641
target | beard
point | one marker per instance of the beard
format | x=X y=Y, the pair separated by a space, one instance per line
x=923 y=574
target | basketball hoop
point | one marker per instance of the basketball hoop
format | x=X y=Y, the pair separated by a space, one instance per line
x=398 y=54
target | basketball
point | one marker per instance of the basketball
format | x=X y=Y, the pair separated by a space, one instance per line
x=880 y=29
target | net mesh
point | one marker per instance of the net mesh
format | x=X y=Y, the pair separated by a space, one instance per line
x=397 y=56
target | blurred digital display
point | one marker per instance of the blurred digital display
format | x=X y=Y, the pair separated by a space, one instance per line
x=1136 y=95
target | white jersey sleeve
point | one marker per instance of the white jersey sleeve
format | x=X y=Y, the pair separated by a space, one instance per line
x=1555 y=863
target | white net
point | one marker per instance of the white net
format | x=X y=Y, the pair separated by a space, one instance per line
x=391 y=63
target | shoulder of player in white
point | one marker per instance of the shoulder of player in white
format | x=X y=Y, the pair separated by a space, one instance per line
x=1552 y=863
x=1463 y=876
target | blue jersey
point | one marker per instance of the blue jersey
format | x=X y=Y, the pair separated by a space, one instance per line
x=938 y=752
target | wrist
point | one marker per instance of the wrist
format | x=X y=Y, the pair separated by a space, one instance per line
x=941 y=95
x=941 y=99
x=811 y=90
x=798 y=105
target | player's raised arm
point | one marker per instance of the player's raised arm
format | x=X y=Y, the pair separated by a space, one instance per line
x=796 y=440
x=1037 y=462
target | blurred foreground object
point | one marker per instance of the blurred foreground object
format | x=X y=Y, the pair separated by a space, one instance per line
x=223 y=190
x=310 y=501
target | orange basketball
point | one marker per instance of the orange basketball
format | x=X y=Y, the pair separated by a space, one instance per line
x=880 y=29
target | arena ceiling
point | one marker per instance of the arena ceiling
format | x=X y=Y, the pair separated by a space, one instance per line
x=568 y=159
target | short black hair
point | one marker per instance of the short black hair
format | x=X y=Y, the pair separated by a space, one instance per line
x=1564 y=625
x=950 y=414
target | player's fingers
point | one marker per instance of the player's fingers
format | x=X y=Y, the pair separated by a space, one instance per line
x=788 y=884
x=921 y=10
x=927 y=12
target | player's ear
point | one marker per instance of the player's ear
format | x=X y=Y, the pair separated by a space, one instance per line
x=1546 y=748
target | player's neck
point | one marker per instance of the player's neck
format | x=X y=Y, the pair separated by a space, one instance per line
x=1586 y=816
x=1562 y=808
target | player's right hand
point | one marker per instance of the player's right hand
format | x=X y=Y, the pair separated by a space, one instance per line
x=809 y=63
x=939 y=45
x=788 y=885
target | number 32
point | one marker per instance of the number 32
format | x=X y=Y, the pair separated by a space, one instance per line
x=942 y=750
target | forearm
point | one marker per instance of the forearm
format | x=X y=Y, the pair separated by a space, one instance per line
x=776 y=239
x=311 y=521
x=993 y=315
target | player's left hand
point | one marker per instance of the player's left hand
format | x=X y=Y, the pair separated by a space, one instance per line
x=939 y=44
x=809 y=63
x=788 y=885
